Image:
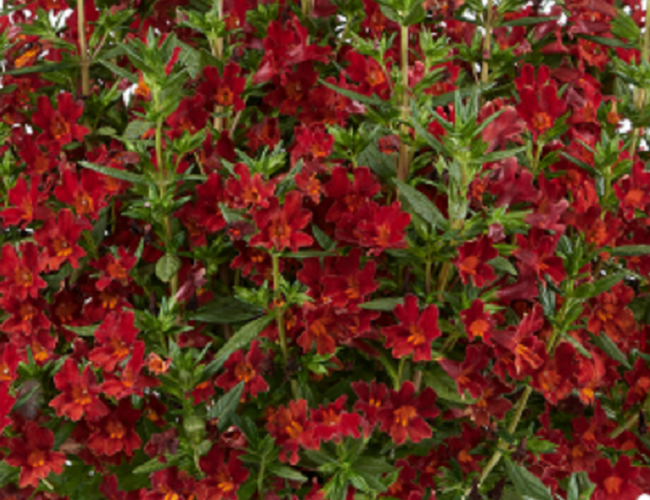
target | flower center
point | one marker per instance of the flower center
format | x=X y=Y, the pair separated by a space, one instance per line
x=417 y=336
x=404 y=415
x=23 y=277
x=613 y=485
x=479 y=327
x=115 y=430
x=541 y=122
x=36 y=458
x=470 y=264
x=245 y=372
x=294 y=429
x=81 y=395
x=224 y=96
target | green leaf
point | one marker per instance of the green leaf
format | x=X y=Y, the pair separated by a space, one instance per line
x=83 y=331
x=578 y=345
x=355 y=96
x=225 y=310
x=42 y=68
x=167 y=267
x=119 y=71
x=386 y=304
x=7 y=473
x=226 y=405
x=153 y=465
x=123 y=175
x=286 y=472
x=373 y=466
x=610 y=42
x=135 y=130
x=609 y=347
x=589 y=290
x=528 y=21
x=527 y=484
x=630 y=250
x=239 y=340
x=502 y=264
x=421 y=205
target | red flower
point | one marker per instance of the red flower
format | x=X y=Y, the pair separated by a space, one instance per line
x=415 y=333
x=34 y=455
x=21 y=273
x=59 y=126
x=9 y=363
x=226 y=90
x=478 y=323
x=131 y=381
x=333 y=422
x=280 y=227
x=80 y=394
x=28 y=204
x=188 y=117
x=170 y=483
x=537 y=251
x=115 y=338
x=539 y=105
x=224 y=475
x=633 y=191
x=349 y=286
x=372 y=398
x=615 y=483
x=26 y=316
x=247 y=191
x=84 y=192
x=244 y=368
x=471 y=261
x=116 y=431
x=382 y=228
x=322 y=325
x=350 y=196
x=467 y=374
x=404 y=415
x=610 y=314
x=59 y=238
x=114 y=268
x=291 y=429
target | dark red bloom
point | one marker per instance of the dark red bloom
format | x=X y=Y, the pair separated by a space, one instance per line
x=633 y=191
x=240 y=367
x=223 y=90
x=59 y=126
x=280 y=227
x=609 y=313
x=247 y=191
x=170 y=483
x=348 y=286
x=83 y=191
x=383 y=228
x=291 y=430
x=116 y=431
x=478 y=322
x=467 y=374
x=333 y=422
x=404 y=415
x=372 y=398
x=114 y=268
x=415 y=333
x=615 y=483
x=472 y=261
x=115 y=339
x=59 y=237
x=80 y=393
x=224 y=475
x=34 y=455
x=131 y=380
x=21 y=274
x=6 y=404
x=28 y=204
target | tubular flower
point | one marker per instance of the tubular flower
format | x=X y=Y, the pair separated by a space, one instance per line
x=383 y=228
x=349 y=286
x=478 y=323
x=333 y=422
x=280 y=227
x=467 y=374
x=34 y=455
x=116 y=431
x=131 y=381
x=224 y=475
x=27 y=204
x=372 y=397
x=223 y=90
x=404 y=415
x=59 y=126
x=472 y=261
x=115 y=338
x=59 y=238
x=6 y=404
x=291 y=429
x=615 y=483
x=415 y=333
x=80 y=393
x=21 y=274
x=84 y=192
x=610 y=314
x=171 y=484
x=240 y=368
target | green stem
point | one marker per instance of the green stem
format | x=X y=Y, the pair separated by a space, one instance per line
x=400 y=373
x=279 y=318
x=427 y=276
x=403 y=167
x=487 y=43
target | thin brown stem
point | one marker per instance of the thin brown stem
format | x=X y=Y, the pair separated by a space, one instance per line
x=83 y=49
x=487 y=43
x=403 y=167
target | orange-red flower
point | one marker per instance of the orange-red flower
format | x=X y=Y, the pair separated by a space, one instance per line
x=34 y=455
x=80 y=393
x=21 y=274
x=224 y=475
x=116 y=432
x=415 y=333
x=403 y=417
x=615 y=483
x=240 y=368
x=291 y=430
x=472 y=261
x=59 y=126
x=115 y=340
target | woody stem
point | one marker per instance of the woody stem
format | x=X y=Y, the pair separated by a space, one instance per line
x=83 y=50
x=403 y=162
x=217 y=51
x=487 y=43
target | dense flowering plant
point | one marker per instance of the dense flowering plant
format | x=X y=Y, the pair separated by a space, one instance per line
x=324 y=250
